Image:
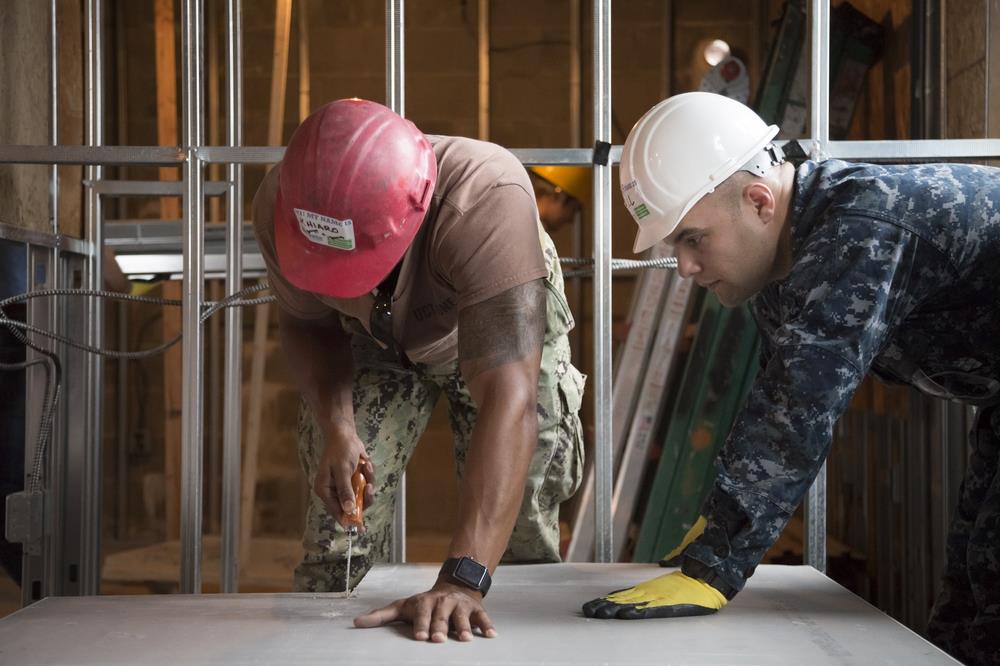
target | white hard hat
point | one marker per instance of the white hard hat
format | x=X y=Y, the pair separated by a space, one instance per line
x=681 y=150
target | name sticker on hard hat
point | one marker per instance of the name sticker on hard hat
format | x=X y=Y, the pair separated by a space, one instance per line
x=638 y=208
x=327 y=231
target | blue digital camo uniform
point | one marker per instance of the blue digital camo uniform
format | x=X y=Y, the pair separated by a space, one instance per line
x=896 y=271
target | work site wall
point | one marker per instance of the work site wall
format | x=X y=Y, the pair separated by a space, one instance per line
x=971 y=69
x=658 y=49
x=26 y=110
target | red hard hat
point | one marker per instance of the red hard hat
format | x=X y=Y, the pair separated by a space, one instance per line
x=355 y=183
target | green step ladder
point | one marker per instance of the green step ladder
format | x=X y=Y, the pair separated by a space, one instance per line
x=718 y=374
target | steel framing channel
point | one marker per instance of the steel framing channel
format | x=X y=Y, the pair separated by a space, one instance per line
x=192 y=361
x=92 y=155
x=51 y=562
x=34 y=583
x=32 y=237
x=144 y=236
x=90 y=560
x=233 y=368
x=395 y=99
x=815 y=508
x=527 y=156
x=153 y=188
x=121 y=427
x=54 y=110
x=66 y=468
x=241 y=154
x=915 y=149
x=603 y=453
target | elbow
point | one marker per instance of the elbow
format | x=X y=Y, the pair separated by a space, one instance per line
x=518 y=401
x=524 y=409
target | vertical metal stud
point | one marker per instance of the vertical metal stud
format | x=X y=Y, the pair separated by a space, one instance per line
x=233 y=372
x=121 y=429
x=819 y=122
x=395 y=76
x=90 y=556
x=395 y=99
x=815 y=547
x=192 y=360
x=603 y=464
x=34 y=583
x=54 y=494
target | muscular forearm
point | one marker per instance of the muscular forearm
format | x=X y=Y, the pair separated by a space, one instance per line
x=496 y=468
x=500 y=353
x=318 y=354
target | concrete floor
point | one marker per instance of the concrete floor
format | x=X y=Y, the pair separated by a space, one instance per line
x=787 y=615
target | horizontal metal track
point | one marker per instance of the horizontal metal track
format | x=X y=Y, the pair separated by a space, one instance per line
x=925 y=149
x=43 y=239
x=152 y=188
x=163 y=155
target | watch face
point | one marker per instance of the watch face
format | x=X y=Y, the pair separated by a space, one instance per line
x=470 y=571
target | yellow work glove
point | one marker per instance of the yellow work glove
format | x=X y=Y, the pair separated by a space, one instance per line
x=673 y=558
x=670 y=595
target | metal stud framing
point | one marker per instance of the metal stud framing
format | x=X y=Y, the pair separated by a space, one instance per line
x=233 y=372
x=90 y=565
x=819 y=128
x=395 y=99
x=193 y=155
x=603 y=451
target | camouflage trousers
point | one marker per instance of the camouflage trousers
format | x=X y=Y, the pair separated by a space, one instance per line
x=392 y=405
x=965 y=620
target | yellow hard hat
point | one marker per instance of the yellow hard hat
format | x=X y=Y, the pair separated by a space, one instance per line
x=576 y=181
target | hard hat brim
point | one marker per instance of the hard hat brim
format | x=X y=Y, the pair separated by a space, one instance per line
x=646 y=238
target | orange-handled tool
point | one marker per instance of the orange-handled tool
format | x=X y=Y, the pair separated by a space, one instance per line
x=357 y=517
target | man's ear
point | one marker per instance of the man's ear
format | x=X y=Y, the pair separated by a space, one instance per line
x=759 y=195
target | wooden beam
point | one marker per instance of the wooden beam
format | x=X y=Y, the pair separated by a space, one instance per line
x=305 y=103
x=279 y=71
x=166 y=96
x=258 y=366
x=214 y=114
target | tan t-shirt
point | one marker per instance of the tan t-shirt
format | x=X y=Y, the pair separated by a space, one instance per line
x=479 y=238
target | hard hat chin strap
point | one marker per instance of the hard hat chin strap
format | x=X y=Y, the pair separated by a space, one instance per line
x=770 y=156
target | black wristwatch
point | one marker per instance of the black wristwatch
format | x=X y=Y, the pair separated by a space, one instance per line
x=468 y=572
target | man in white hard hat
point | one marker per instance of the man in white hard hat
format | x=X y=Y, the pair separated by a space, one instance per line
x=849 y=269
